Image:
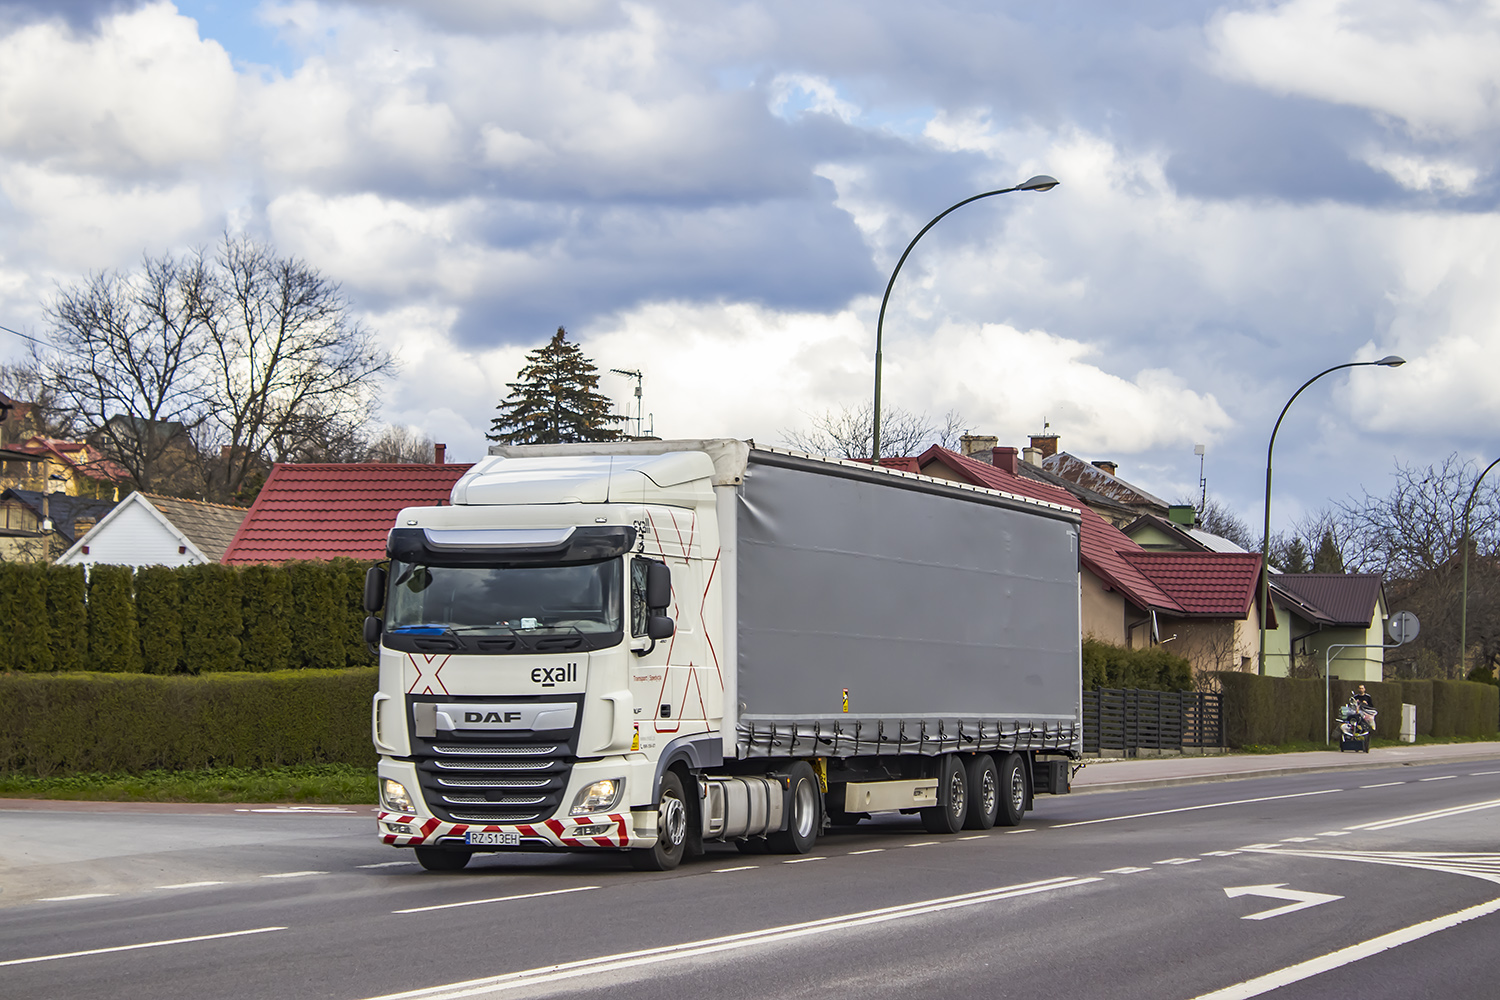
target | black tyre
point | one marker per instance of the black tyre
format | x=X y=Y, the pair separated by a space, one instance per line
x=804 y=812
x=440 y=859
x=984 y=792
x=953 y=798
x=1012 y=790
x=671 y=829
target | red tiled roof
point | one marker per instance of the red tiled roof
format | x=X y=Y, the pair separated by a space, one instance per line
x=324 y=511
x=75 y=454
x=1114 y=558
x=1212 y=584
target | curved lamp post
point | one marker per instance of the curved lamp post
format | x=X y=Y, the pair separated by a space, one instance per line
x=1463 y=615
x=1390 y=361
x=1041 y=182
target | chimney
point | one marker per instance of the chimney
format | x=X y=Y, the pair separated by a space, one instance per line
x=1004 y=458
x=1108 y=467
x=974 y=444
x=1044 y=443
x=439 y=451
x=1033 y=456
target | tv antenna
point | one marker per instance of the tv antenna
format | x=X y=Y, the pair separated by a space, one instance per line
x=639 y=377
x=1200 y=451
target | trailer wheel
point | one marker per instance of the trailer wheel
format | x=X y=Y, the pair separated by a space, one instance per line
x=440 y=859
x=953 y=798
x=1012 y=791
x=804 y=817
x=984 y=792
x=671 y=829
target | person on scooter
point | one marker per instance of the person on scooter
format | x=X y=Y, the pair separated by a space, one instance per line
x=1366 y=706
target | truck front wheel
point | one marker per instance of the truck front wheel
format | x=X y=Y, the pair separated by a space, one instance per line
x=671 y=829
x=953 y=798
x=804 y=818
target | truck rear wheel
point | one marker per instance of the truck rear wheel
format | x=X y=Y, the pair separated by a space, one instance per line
x=984 y=792
x=1012 y=791
x=440 y=859
x=953 y=798
x=671 y=829
x=804 y=818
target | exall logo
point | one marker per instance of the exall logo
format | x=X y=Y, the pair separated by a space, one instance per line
x=550 y=676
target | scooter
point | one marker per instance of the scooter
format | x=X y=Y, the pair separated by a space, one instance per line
x=1356 y=723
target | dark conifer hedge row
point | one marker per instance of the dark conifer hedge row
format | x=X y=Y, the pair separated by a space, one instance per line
x=1273 y=710
x=1107 y=666
x=186 y=619
x=57 y=724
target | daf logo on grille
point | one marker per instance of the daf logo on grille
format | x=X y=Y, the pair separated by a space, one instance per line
x=491 y=716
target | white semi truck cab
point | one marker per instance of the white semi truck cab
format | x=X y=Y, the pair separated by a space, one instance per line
x=645 y=646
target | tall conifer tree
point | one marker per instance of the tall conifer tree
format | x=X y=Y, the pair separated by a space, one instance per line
x=554 y=401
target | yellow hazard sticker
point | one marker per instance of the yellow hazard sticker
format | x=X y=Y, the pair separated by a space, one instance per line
x=635 y=740
x=846 y=699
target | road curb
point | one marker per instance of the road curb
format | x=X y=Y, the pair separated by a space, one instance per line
x=1129 y=784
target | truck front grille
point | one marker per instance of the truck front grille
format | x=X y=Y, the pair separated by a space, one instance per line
x=486 y=776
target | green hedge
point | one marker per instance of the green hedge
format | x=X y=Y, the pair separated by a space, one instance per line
x=1272 y=710
x=1107 y=666
x=126 y=723
x=184 y=619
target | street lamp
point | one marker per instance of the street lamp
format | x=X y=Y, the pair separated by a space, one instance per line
x=1390 y=361
x=1463 y=615
x=1041 y=182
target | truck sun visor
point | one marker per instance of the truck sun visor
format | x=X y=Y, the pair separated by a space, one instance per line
x=489 y=546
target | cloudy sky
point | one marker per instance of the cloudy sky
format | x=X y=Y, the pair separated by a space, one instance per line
x=715 y=193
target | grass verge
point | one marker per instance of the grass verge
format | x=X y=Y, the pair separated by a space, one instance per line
x=330 y=784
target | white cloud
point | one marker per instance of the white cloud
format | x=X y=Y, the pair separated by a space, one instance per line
x=143 y=91
x=1431 y=65
x=1420 y=173
x=794 y=94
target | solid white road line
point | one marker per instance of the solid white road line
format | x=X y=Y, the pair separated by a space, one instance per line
x=496 y=899
x=292 y=874
x=868 y=850
x=1385 y=784
x=1387 y=824
x=741 y=868
x=1345 y=956
x=135 y=947
x=189 y=885
x=1442 y=777
x=693 y=949
x=1186 y=809
x=391 y=864
x=798 y=861
x=1475 y=774
x=81 y=895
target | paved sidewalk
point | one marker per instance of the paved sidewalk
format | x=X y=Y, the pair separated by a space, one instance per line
x=1156 y=772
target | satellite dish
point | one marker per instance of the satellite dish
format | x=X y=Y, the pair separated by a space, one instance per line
x=1404 y=627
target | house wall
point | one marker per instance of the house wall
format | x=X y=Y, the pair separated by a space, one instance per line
x=132 y=537
x=1350 y=664
x=1213 y=643
x=1103 y=610
x=1148 y=536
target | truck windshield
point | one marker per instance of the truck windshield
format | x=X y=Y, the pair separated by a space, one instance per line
x=478 y=600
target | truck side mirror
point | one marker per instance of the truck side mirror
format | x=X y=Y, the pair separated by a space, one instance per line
x=374 y=591
x=660 y=627
x=373 y=627
x=658 y=586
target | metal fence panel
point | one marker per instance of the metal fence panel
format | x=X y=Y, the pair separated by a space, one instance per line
x=1132 y=719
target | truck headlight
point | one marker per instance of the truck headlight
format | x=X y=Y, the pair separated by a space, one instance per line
x=395 y=796
x=601 y=796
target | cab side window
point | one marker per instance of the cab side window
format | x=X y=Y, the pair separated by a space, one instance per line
x=639 y=614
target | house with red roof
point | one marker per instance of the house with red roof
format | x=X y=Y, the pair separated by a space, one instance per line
x=82 y=468
x=329 y=510
x=1205 y=603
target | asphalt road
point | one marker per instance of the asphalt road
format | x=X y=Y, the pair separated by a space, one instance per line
x=1370 y=883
